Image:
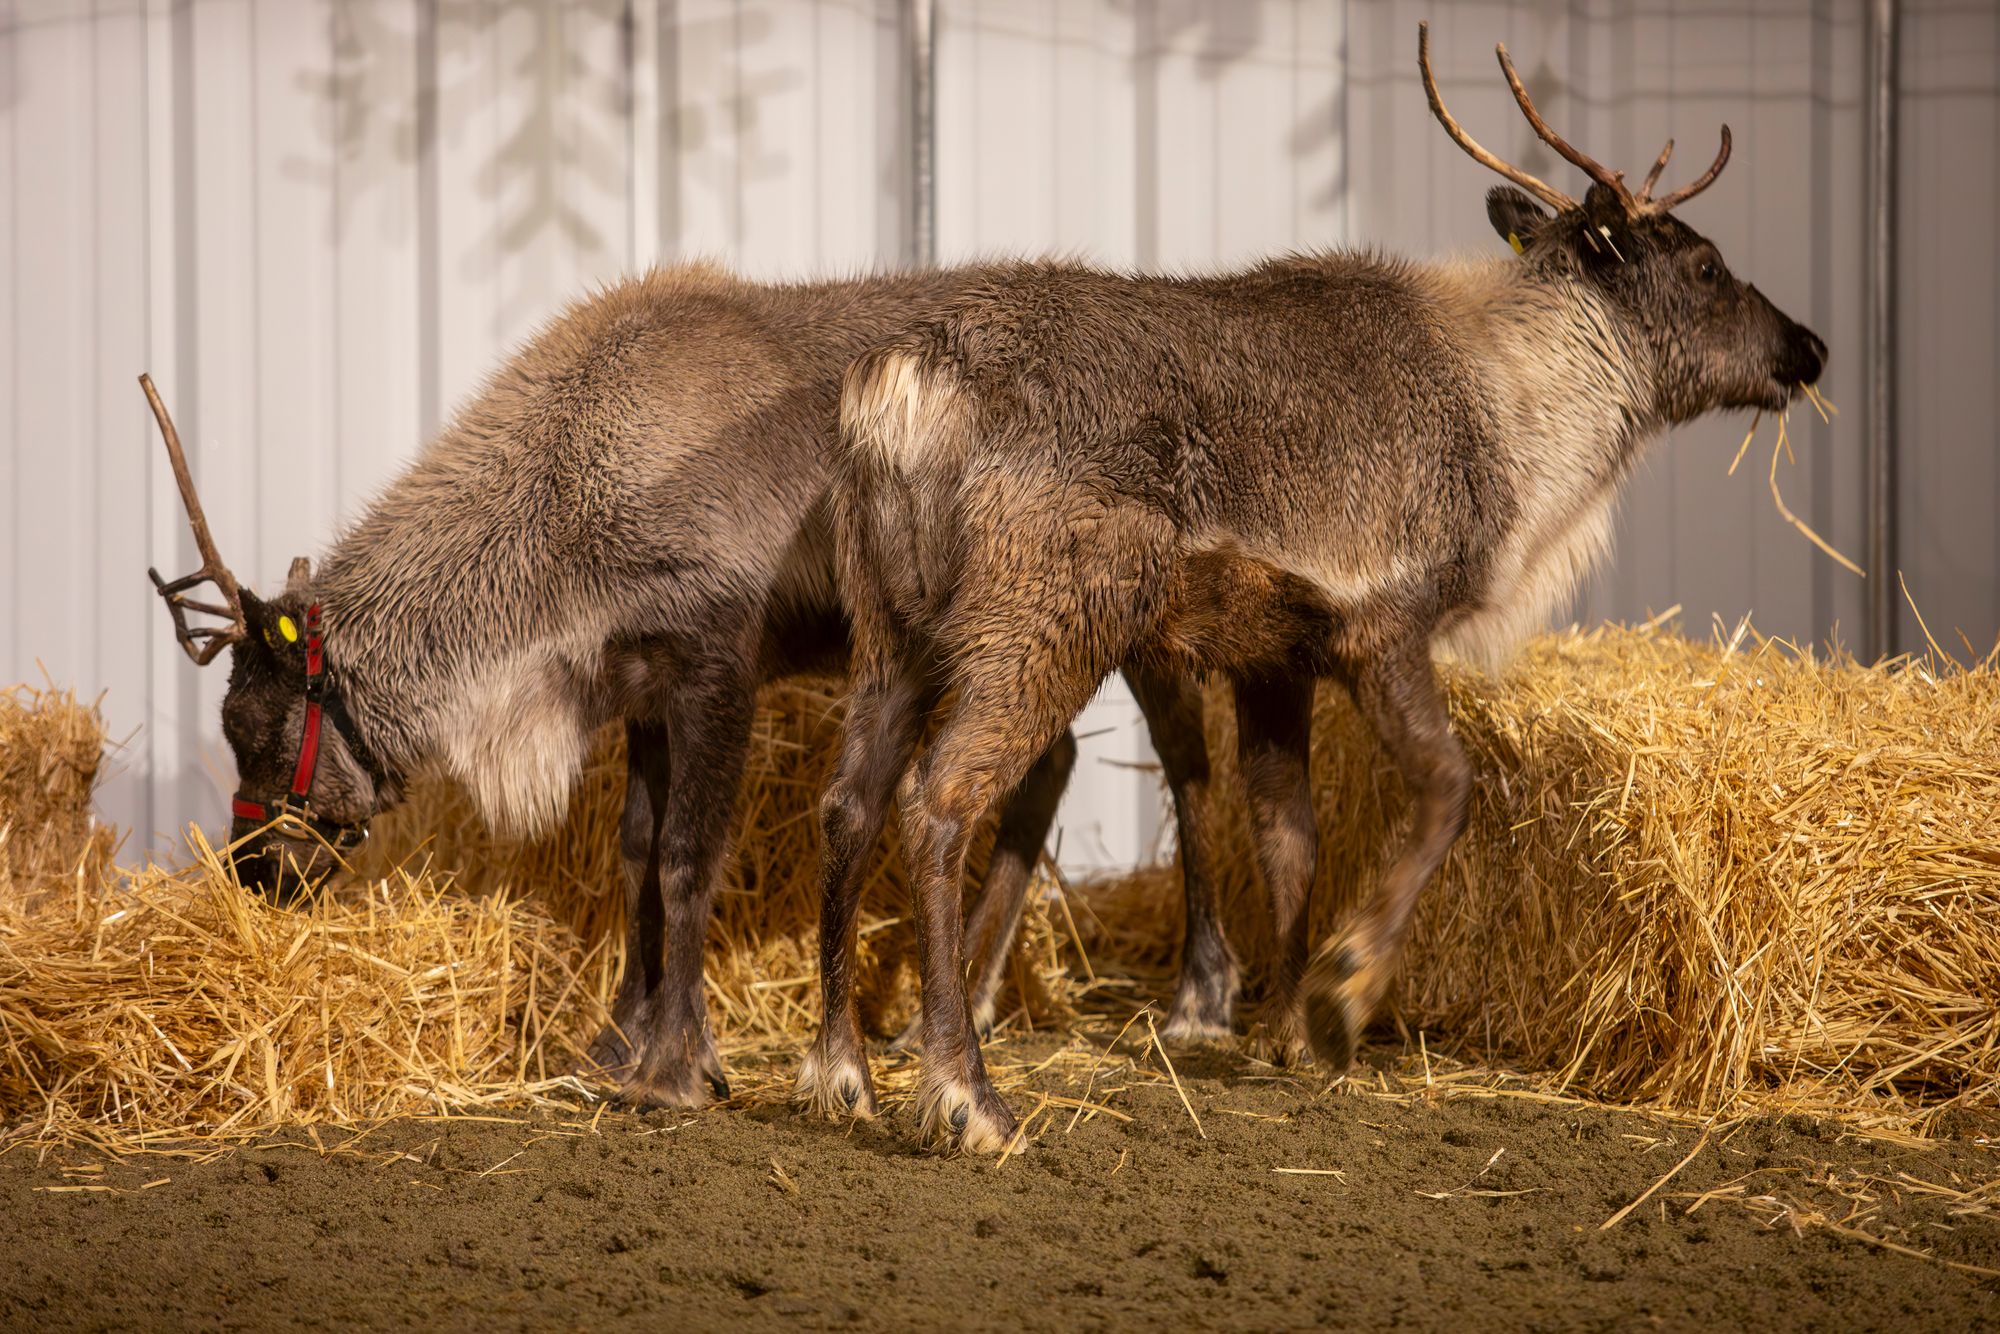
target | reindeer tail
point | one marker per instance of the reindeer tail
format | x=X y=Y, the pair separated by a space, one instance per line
x=906 y=421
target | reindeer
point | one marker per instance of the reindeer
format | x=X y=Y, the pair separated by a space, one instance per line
x=1328 y=466
x=626 y=523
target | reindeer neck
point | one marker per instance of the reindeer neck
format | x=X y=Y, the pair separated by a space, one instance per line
x=1567 y=385
x=446 y=627
x=1568 y=395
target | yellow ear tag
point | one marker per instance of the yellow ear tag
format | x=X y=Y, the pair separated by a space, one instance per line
x=288 y=630
x=1514 y=240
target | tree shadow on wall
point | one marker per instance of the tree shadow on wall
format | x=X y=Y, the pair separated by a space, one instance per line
x=393 y=95
x=1222 y=33
x=549 y=85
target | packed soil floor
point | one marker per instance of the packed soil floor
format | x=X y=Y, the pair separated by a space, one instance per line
x=1378 y=1201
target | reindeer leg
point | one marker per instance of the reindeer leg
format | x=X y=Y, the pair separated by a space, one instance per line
x=994 y=735
x=885 y=719
x=708 y=724
x=996 y=913
x=1400 y=697
x=617 y=1047
x=1274 y=737
x=1205 y=997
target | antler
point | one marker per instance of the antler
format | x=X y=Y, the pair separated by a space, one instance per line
x=1653 y=176
x=212 y=570
x=1700 y=183
x=1543 y=191
x=1636 y=206
x=1597 y=171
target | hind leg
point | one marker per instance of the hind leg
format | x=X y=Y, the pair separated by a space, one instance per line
x=708 y=727
x=1274 y=738
x=1205 y=997
x=996 y=913
x=1400 y=697
x=885 y=717
x=993 y=736
x=617 y=1047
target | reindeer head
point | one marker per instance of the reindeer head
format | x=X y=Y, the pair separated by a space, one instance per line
x=1713 y=341
x=305 y=784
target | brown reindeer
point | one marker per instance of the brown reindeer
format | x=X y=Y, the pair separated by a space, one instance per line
x=626 y=523
x=1330 y=465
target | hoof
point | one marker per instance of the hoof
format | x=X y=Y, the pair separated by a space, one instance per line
x=686 y=1087
x=1203 y=1011
x=955 y=1113
x=621 y=1044
x=835 y=1087
x=1281 y=1033
x=681 y=1071
x=1339 y=1000
x=610 y=1054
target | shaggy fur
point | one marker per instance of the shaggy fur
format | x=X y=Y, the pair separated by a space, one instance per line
x=1330 y=465
x=626 y=522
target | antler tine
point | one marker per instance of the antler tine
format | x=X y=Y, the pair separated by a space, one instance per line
x=212 y=569
x=1596 y=170
x=1700 y=183
x=1653 y=176
x=1547 y=193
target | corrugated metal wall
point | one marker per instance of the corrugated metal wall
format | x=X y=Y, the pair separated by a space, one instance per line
x=318 y=224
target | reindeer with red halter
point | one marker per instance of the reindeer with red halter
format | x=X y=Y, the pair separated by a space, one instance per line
x=626 y=524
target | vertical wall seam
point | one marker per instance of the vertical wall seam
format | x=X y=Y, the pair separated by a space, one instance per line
x=95 y=308
x=257 y=444
x=429 y=282
x=337 y=376
x=1884 y=616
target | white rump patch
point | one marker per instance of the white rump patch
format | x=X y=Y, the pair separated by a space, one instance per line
x=898 y=410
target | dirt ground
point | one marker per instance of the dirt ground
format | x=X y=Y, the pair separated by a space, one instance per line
x=1370 y=1203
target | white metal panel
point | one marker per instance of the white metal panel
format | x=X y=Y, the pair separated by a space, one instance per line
x=1948 y=395
x=320 y=223
x=14 y=656
x=116 y=509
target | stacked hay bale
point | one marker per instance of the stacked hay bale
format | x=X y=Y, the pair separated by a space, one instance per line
x=763 y=942
x=1705 y=876
x=1708 y=877
x=50 y=750
x=455 y=971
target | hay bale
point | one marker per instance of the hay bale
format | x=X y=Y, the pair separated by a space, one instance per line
x=1709 y=877
x=163 y=1005
x=763 y=942
x=50 y=751
x=457 y=972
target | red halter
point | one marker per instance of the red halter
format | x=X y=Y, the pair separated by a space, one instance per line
x=321 y=697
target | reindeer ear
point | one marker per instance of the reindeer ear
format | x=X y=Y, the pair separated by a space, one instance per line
x=1609 y=225
x=258 y=618
x=1516 y=217
x=298 y=579
x=270 y=626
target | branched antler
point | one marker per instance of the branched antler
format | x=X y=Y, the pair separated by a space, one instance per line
x=1542 y=190
x=1700 y=183
x=200 y=642
x=1636 y=206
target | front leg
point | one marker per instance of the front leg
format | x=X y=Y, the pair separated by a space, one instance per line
x=1274 y=741
x=1400 y=697
x=1204 y=1005
x=619 y=1044
x=708 y=714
